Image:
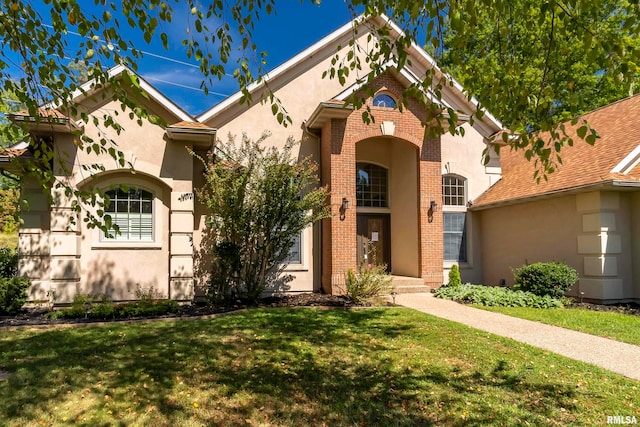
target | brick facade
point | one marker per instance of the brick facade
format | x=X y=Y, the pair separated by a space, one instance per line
x=338 y=159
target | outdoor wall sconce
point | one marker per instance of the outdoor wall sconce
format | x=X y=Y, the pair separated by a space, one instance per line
x=433 y=207
x=345 y=204
x=343 y=208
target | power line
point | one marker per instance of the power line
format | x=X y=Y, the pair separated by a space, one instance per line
x=155 y=55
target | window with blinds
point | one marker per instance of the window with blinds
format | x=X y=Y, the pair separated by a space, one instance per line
x=132 y=211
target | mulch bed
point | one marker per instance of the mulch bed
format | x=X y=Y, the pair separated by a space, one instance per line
x=630 y=308
x=36 y=316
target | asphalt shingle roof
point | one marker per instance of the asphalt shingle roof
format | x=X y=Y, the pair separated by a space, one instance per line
x=618 y=125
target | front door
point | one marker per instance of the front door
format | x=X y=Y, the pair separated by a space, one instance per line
x=374 y=240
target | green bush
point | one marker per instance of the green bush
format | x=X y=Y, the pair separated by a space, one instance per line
x=546 y=278
x=13 y=294
x=454 y=276
x=370 y=281
x=8 y=262
x=101 y=308
x=495 y=296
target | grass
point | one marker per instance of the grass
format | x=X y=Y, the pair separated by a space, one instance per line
x=9 y=240
x=617 y=326
x=290 y=367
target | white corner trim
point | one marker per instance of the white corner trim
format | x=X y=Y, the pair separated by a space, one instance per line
x=628 y=163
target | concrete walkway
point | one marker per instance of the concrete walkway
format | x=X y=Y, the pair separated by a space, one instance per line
x=613 y=355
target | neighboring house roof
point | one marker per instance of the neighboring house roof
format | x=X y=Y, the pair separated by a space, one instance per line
x=613 y=159
x=452 y=95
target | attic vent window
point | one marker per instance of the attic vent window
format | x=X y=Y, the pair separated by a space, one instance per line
x=385 y=101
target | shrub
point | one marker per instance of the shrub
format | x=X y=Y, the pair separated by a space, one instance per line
x=13 y=294
x=454 y=276
x=259 y=201
x=8 y=262
x=495 y=296
x=546 y=278
x=102 y=308
x=369 y=282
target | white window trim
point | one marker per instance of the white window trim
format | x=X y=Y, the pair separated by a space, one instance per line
x=305 y=252
x=99 y=242
x=468 y=264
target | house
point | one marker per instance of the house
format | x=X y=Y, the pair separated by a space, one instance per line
x=391 y=184
x=586 y=214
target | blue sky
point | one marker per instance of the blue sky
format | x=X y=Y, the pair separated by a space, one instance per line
x=294 y=27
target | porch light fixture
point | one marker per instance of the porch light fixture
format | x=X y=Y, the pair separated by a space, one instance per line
x=343 y=208
x=345 y=204
x=433 y=207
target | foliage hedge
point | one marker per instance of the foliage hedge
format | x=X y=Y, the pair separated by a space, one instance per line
x=546 y=278
x=13 y=290
x=13 y=294
x=86 y=306
x=8 y=262
x=496 y=296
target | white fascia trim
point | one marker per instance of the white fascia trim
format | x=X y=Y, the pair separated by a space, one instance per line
x=281 y=69
x=407 y=74
x=628 y=163
x=116 y=71
x=432 y=63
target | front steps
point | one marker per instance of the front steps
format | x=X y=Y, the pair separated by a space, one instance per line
x=409 y=285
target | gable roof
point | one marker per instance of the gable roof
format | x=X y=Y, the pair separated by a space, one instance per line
x=89 y=87
x=612 y=160
x=452 y=95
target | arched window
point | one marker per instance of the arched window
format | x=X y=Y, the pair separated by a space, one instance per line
x=371 y=186
x=384 y=100
x=132 y=211
x=454 y=191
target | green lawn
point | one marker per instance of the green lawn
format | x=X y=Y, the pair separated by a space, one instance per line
x=618 y=326
x=298 y=367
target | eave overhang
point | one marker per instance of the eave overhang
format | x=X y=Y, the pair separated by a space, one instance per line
x=612 y=184
x=198 y=137
x=326 y=111
x=44 y=124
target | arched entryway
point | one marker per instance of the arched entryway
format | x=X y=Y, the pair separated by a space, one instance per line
x=386 y=185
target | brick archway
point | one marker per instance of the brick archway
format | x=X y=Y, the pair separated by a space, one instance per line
x=338 y=162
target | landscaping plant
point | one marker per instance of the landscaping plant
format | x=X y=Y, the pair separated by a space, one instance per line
x=370 y=281
x=545 y=278
x=454 y=276
x=259 y=201
x=495 y=296
x=13 y=290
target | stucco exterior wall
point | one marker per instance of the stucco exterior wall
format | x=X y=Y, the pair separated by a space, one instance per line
x=78 y=258
x=462 y=156
x=546 y=230
x=594 y=232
